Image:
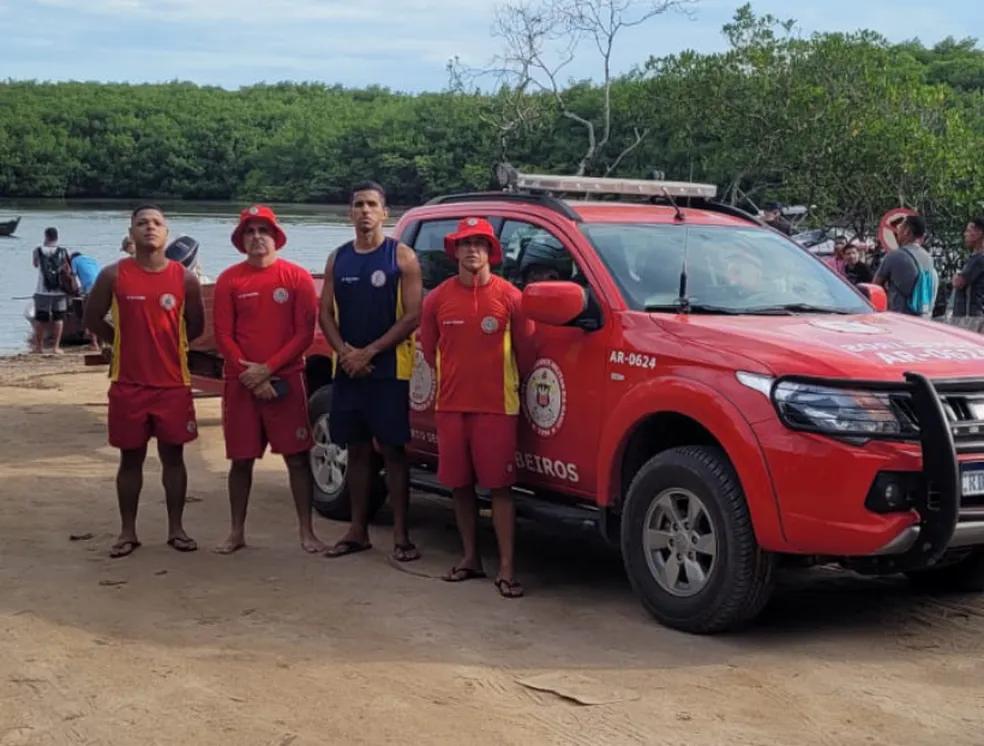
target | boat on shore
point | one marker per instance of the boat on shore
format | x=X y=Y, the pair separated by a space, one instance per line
x=73 y=333
x=8 y=227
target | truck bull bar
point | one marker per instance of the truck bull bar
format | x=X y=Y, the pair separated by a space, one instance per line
x=946 y=422
x=941 y=508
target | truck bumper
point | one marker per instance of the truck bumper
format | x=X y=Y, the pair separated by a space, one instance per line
x=825 y=489
x=965 y=534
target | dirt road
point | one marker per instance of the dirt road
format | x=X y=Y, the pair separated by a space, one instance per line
x=274 y=647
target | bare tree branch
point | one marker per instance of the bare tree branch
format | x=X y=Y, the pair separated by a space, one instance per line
x=639 y=137
x=540 y=39
x=602 y=21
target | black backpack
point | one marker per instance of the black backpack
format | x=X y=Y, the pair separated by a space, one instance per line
x=51 y=267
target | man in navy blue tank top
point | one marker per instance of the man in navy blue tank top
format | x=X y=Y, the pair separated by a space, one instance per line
x=370 y=307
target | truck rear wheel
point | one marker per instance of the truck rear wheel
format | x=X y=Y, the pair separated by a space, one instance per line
x=688 y=545
x=329 y=466
x=964 y=575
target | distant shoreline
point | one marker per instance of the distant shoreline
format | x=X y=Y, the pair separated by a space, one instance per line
x=11 y=205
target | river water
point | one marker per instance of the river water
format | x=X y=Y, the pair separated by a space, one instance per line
x=96 y=229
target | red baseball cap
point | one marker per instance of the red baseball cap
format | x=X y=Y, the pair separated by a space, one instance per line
x=468 y=228
x=259 y=212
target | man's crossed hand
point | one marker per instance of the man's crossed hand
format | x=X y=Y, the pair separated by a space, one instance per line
x=256 y=378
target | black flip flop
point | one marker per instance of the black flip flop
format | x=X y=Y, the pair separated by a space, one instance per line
x=408 y=551
x=346 y=547
x=461 y=574
x=183 y=544
x=509 y=588
x=123 y=549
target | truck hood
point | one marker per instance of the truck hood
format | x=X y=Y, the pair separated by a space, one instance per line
x=876 y=346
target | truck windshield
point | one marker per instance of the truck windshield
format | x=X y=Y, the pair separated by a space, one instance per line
x=729 y=270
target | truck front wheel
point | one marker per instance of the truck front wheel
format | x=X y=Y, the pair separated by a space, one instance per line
x=329 y=466
x=688 y=544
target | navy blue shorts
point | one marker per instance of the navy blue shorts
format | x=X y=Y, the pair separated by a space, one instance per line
x=368 y=408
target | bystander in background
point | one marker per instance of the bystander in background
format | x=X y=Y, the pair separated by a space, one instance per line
x=968 y=283
x=855 y=270
x=50 y=299
x=772 y=215
x=836 y=262
x=907 y=273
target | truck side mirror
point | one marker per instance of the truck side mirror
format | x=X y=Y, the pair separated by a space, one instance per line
x=875 y=295
x=554 y=303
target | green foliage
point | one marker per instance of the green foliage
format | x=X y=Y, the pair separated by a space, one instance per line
x=959 y=64
x=289 y=142
x=847 y=123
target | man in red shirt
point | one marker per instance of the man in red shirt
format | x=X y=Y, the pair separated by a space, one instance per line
x=156 y=307
x=265 y=309
x=474 y=336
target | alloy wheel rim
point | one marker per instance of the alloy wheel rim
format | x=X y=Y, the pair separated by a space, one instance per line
x=679 y=542
x=329 y=461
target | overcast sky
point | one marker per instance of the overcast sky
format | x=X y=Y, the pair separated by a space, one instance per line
x=399 y=44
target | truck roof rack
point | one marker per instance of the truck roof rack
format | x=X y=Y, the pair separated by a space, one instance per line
x=547 y=191
x=598 y=185
x=531 y=198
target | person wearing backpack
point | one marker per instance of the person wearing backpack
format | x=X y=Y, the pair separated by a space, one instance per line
x=50 y=298
x=907 y=273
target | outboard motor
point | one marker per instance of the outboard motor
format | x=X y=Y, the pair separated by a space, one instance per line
x=183 y=249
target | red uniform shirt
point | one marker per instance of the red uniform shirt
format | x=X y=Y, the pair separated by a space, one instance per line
x=264 y=315
x=474 y=338
x=150 y=343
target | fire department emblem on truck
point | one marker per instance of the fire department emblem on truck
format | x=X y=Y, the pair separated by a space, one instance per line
x=423 y=383
x=847 y=327
x=545 y=398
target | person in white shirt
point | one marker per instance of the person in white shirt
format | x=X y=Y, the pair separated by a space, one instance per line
x=50 y=301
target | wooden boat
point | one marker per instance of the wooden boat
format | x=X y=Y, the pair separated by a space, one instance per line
x=8 y=227
x=73 y=333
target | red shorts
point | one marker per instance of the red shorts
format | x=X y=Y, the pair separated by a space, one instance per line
x=137 y=413
x=249 y=424
x=476 y=448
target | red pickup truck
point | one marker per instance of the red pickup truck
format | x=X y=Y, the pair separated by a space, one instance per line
x=715 y=398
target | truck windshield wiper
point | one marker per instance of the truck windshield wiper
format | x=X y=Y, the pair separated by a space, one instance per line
x=786 y=309
x=796 y=308
x=690 y=307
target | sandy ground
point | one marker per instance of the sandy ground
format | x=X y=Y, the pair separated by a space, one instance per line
x=274 y=647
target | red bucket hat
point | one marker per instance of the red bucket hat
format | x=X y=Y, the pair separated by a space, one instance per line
x=258 y=212
x=469 y=227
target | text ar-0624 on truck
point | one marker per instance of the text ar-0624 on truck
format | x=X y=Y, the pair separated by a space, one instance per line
x=721 y=396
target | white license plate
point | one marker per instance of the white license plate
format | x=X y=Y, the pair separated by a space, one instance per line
x=973 y=482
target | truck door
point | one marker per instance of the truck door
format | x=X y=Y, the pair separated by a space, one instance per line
x=563 y=394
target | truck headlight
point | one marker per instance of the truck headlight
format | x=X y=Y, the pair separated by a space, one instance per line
x=844 y=411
